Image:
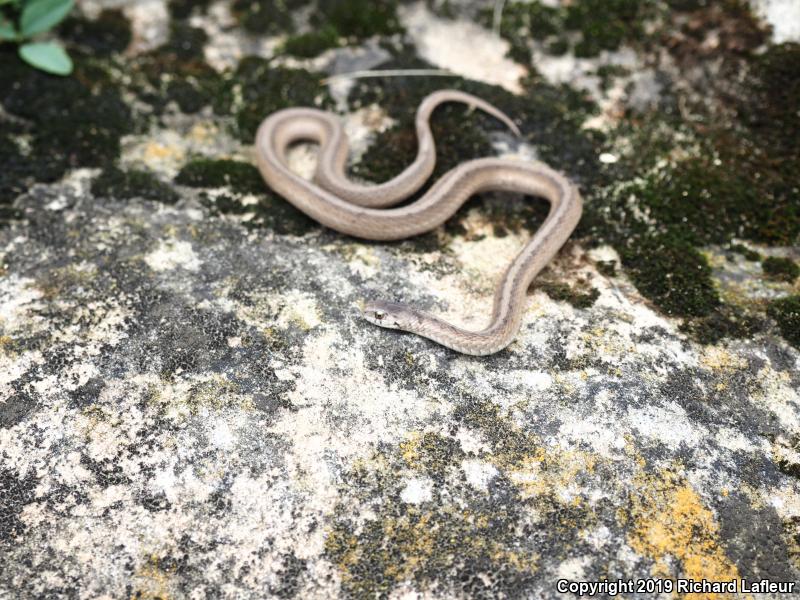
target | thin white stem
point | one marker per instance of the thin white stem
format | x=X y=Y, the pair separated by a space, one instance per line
x=497 y=16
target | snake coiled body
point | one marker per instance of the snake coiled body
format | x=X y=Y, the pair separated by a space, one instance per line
x=360 y=210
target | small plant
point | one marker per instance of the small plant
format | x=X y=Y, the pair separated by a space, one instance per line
x=21 y=20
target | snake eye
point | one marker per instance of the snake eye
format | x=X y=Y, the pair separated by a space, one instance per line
x=379 y=314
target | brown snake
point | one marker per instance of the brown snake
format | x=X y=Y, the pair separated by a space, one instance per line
x=359 y=210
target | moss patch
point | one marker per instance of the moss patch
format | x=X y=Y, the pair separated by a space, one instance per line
x=110 y=33
x=176 y=72
x=312 y=43
x=689 y=187
x=587 y=26
x=671 y=273
x=271 y=212
x=782 y=269
x=266 y=16
x=786 y=313
x=748 y=254
x=239 y=176
x=183 y=9
x=266 y=88
x=358 y=19
x=550 y=117
x=724 y=322
x=72 y=121
x=122 y=185
x=561 y=292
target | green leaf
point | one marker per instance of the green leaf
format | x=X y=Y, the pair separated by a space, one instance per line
x=7 y=31
x=46 y=56
x=41 y=15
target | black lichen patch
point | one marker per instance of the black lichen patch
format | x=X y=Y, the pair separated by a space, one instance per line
x=782 y=269
x=444 y=542
x=88 y=393
x=266 y=88
x=107 y=472
x=18 y=406
x=786 y=313
x=16 y=492
x=123 y=185
x=289 y=576
x=433 y=544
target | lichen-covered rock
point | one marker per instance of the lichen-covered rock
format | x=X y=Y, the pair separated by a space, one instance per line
x=192 y=407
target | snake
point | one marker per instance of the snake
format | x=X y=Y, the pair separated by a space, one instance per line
x=369 y=211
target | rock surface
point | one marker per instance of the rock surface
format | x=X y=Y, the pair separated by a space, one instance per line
x=192 y=407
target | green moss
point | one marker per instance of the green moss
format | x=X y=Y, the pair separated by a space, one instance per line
x=561 y=292
x=607 y=74
x=271 y=212
x=724 y=322
x=771 y=110
x=185 y=42
x=607 y=267
x=122 y=185
x=313 y=43
x=176 y=72
x=266 y=89
x=603 y=24
x=267 y=16
x=457 y=136
x=783 y=269
x=786 y=313
x=74 y=121
x=182 y=9
x=549 y=116
x=110 y=33
x=594 y=25
x=17 y=169
x=239 y=176
x=760 y=150
x=187 y=94
x=737 y=185
x=748 y=254
x=672 y=274
x=358 y=19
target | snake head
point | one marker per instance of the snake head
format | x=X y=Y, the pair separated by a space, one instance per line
x=384 y=314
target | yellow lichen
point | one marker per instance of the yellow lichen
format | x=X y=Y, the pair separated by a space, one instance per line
x=671 y=525
x=154 y=580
